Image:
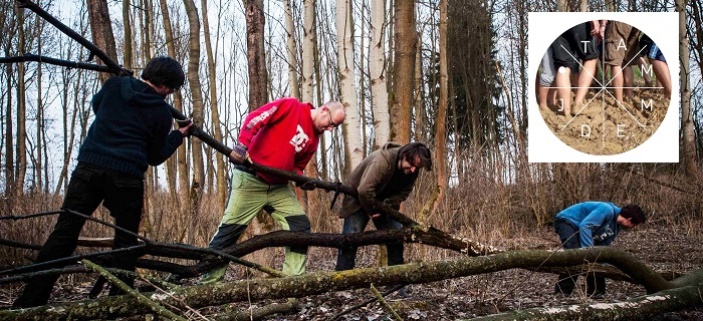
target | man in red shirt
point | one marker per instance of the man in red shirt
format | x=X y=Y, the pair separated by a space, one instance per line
x=282 y=134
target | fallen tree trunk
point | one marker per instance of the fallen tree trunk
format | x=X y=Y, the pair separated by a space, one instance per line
x=639 y=308
x=286 y=238
x=322 y=282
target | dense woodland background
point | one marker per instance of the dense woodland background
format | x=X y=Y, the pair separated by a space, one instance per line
x=451 y=73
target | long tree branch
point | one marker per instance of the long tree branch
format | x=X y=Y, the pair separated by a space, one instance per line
x=54 y=61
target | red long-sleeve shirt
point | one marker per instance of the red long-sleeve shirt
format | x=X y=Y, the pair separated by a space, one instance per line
x=280 y=134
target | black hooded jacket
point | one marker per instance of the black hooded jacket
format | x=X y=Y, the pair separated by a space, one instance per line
x=131 y=128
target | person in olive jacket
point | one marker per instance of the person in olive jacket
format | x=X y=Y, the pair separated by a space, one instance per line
x=387 y=175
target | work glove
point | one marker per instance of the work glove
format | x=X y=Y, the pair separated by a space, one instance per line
x=239 y=154
x=184 y=126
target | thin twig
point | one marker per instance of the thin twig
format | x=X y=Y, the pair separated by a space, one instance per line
x=384 y=302
x=146 y=280
x=140 y=297
x=367 y=302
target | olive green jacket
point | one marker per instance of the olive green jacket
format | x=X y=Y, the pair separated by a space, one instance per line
x=378 y=179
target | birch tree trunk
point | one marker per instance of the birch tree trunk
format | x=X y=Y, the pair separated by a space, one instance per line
x=309 y=199
x=214 y=109
x=347 y=82
x=308 y=50
x=377 y=75
x=404 y=69
x=196 y=187
x=292 y=57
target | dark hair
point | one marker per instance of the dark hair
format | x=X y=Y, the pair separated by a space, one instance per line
x=164 y=71
x=634 y=213
x=409 y=151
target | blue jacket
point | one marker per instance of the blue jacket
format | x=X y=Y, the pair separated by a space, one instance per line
x=131 y=128
x=596 y=222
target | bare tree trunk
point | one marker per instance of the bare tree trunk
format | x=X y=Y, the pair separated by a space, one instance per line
x=39 y=168
x=256 y=56
x=214 y=109
x=441 y=121
x=402 y=101
x=175 y=165
x=21 y=161
x=101 y=28
x=196 y=187
x=583 y=5
x=689 y=139
x=309 y=56
x=419 y=88
x=292 y=51
x=9 y=140
x=347 y=82
x=377 y=75
x=562 y=5
x=127 y=24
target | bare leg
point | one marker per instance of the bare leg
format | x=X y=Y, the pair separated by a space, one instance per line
x=617 y=82
x=586 y=77
x=564 y=90
x=628 y=76
x=661 y=70
x=643 y=68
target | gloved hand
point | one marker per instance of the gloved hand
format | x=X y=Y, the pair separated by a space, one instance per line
x=239 y=154
x=184 y=126
x=308 y=186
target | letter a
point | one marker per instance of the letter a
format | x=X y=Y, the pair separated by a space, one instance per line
x=621 y=44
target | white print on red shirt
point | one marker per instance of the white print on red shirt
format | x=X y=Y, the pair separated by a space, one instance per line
x=300 y=139
x=261 y=117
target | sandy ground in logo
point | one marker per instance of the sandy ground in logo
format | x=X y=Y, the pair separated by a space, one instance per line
x=603 y=127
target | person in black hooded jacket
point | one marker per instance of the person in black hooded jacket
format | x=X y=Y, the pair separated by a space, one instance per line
x=131 y=130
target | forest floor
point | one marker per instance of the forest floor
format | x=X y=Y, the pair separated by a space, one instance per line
x=602 y=126
x=662 y=248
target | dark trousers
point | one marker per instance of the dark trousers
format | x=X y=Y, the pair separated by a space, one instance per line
x=569 y=236
x=122 y=195
x=356 y=223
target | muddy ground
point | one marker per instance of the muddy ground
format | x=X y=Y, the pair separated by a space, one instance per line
x=604 y=127
x=662 y=248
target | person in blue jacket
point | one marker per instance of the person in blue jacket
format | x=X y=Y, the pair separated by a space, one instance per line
x=592 y=224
